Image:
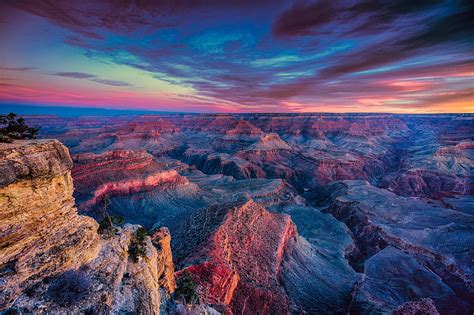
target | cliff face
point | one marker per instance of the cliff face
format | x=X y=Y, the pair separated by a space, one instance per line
x=407 y=243
x=248 y=260
x=238 y=265
x=52 y=260
x=119 y=173
x=41 y=233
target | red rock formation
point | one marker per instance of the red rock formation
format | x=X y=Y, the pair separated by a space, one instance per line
x=326 y=125
x=241 y=261
x=270 y=142
x=119 y=173
x=109 y=161
x=244 y=127
x=329 y=170
x=458 y=150
x=161 y=180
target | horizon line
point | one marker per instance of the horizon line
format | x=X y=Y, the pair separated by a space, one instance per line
x=140 y=111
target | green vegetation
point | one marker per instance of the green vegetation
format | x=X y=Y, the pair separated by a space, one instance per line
x=108 y=222
x=137 y=247
x=186 y=288
x=13 y=128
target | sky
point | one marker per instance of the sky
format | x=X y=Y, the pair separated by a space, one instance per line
x=400 y=56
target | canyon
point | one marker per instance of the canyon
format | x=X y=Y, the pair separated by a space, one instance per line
x=240 y=214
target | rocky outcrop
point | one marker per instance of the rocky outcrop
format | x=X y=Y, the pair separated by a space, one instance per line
x=41 y=233
x=119 y=173
x=423 y=306
x=161 y=180
x=238 y=257
x=314 y=256
x=270 y=142
x=54 y=261
x=161 y=239
x=456 y=159
x=115 y=281
x=438 y=239
x=248 y=260
x=393 y=278
x=221 y=163
x=244 y=128
x=429 y=184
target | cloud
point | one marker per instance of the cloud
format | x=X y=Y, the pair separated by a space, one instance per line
x=75 y=75
x=17 y=68
x=360 y=17
x=112 y=82
x=91 y=77
x=262 y=54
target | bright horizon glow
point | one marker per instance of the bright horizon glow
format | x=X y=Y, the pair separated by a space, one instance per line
x=271 y=57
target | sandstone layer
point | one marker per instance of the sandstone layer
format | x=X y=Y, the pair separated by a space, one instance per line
x=41 y=233
x=54 y=261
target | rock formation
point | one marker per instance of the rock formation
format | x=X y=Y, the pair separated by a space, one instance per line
x=119 y=173
x=437 y=240
x=248 y=260
x=394 y=278
x=53 y=260
x=270 y=142
x=41 y=234
x=270 y=213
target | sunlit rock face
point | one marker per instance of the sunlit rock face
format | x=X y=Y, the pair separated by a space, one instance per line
x=249 y=260
x=119 y=173
x=53 y=260
x=41 y=233
x=112 y=282
x=238 y=263
x=280 y=213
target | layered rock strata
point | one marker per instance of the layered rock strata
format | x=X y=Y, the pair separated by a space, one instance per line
x=41 y=233
x=54 y=261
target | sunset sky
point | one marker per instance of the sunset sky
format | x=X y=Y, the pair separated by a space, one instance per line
x=239 y=56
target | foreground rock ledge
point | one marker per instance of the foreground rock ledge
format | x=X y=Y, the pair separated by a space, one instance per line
x=43 y=241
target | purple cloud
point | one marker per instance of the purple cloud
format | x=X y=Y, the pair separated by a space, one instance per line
x=75 y=75
x=266 y=53
x=17 y=68
x=91 y=77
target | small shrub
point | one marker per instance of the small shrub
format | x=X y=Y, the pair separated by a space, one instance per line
x=117 y=219
x=13 y=128
x=108 y=222
x=186 y=288
x=69 y=288
x=137 y=247
x=105 y=227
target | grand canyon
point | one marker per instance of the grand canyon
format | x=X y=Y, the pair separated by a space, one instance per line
x=243 y=214
x=236 y=157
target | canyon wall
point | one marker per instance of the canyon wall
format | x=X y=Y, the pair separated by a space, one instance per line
x=53 y=260
x=274 y=213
